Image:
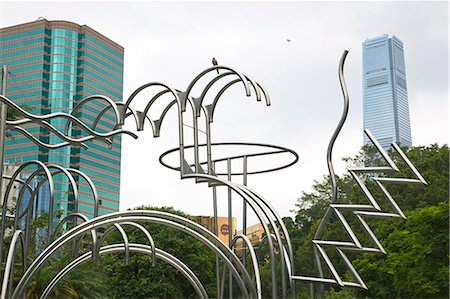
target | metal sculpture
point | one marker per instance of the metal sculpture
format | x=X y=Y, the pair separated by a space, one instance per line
x=201 y=170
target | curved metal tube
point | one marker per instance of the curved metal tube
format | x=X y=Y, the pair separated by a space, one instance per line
x=245 y=240
x=46 y=145
x=196 y=230
x=180 y=105
x=100 y=115
x=162 y=255
x=76 y=245
x=260 y=214
x=39 y=118
x=9 y=266
x=13 y=125
x=194 y=81
x=319 y=231
x=60 y=169
x=88 y=180
x=124 y=236
x=150 y=84
x=258 y=201
x=111 y=103
x=211 y=107
x=8 y=177
x=217 y=78
x=156 y=124
x=149 y=237
x=155 y=97
x=8 y=190
x=279 y=151
x=289 y=255
x=67 y=218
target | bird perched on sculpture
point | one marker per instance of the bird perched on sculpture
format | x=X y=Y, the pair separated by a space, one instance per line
x=214 y=62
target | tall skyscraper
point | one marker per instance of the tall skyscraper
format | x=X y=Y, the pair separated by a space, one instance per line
x=52 y=66
x=385 y=97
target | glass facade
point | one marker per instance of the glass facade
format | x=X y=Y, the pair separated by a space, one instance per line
x=385 y=97
x=53 y=65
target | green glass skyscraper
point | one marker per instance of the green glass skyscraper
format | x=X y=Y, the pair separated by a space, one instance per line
x=52 y=66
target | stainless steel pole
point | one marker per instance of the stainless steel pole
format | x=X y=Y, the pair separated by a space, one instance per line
x=2 y=148
x=244 y=210
x=3 y=109
x=230 y=225
x=219 y=294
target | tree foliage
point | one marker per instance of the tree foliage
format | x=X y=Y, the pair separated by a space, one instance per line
x=140 y=280
x=416 y=264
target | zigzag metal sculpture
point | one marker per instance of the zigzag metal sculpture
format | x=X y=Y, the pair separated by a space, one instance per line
x=372 y=210
x=202 y=170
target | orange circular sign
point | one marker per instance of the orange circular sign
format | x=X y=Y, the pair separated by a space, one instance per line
x=224 y=229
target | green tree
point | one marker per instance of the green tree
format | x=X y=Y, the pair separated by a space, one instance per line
x=84 y=282
x=416 y=264
x=139 y=279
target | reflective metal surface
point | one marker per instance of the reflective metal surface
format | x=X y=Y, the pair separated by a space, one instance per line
x=276 y=248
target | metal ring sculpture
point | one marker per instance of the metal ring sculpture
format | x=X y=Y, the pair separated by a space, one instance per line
x=276 y=240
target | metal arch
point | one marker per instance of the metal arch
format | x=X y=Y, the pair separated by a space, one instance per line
x=111 y=103
x=91 y=185
x=124 y=236
x=82 y=174
x=290 y=253
x=8 y=189
x=51 y=204
x=287 y=262
x=156 y=124
x=181 y=109
x=127 y=114
x=199 y=236
x=67 y=218
x=247 y=242
x=277 y=235
x=76 y=244
x=99 y=117
x=60 y=169
x=257 y=211
x=149 y=237
x=211 y=107
x=162 y=255
x=140 y=218
x=195 y=80
x=216 y=79
x=144 y=215
x=197 y=107
x=266 y=94
x=150 y=84
x=209 y=110
x=8 y=177
x=9 y=266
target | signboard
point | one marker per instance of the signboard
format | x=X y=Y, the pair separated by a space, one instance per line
x=224 y=229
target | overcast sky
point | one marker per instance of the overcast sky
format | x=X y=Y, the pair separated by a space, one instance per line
x=171 y=42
